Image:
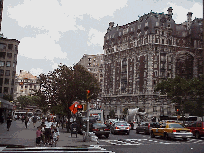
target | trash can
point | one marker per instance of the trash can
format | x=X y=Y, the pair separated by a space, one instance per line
x=74 y=129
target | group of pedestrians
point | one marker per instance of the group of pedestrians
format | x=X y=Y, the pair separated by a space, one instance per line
x=48 y=132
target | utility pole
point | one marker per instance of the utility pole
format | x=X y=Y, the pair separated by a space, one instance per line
x=88 y=100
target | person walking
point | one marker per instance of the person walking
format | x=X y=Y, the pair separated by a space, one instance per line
x=34 y=120
x=26 y=121
x=48 y=131
x=9 y=120
x=38 y=135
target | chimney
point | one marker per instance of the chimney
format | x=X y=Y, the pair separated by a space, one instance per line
x=170 y=12
x=111 y=24
x=189 y=20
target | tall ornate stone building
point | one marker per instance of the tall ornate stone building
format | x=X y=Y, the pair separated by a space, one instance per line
x=141 y=53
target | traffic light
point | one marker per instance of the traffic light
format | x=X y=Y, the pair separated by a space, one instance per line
x=80 y=107
x=87 y=94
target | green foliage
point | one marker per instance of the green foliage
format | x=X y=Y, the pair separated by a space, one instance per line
x=184 y=93
x=8 y=97
x=64 y=85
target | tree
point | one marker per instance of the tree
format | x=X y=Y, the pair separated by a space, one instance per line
x=8 y=97
x=65 y=85
x=182 y=92
x=24 y=101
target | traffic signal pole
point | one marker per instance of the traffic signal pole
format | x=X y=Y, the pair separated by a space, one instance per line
x=88 y=99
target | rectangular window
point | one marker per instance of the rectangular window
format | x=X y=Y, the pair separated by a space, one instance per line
x=155 y=66
x=8 y=64
x=9 y=55
x=155 y=74
x=7 y=73
x=6 y=89
x=1 y=81
x=6 y=81
x=12 y=83
x=10 y=46
x=1 y=72
x=2 y=46
x=2 y=63
x=13 y=73
x=162 y=41
x=154 y=108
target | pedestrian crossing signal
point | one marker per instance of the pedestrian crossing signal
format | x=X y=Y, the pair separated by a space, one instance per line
x=79 y=107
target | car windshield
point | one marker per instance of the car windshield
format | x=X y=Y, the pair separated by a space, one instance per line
x=121 y=124
x=175 y=126
x=99 y=125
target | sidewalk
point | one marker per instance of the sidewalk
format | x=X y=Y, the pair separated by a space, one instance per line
x=19 y=135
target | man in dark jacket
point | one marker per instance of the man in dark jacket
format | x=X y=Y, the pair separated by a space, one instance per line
x=9 y=120
x=34 y=120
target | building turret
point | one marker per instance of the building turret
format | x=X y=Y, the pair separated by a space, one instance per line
x=189 y=20
x=170 y=12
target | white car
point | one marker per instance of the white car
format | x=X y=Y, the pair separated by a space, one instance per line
x=120 y=127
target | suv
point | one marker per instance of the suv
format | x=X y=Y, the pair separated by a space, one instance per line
x=146 y=127
x=82 y=123
x=197 y=128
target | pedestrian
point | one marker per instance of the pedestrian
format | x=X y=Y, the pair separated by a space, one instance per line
x=34 y=120
x=22 y=118
x=43 y=133
x=9 y=120
x=55 y=136
x=38 y=135
x=47 y=131
x=26 y=121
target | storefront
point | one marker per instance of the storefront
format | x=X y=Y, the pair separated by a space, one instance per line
x=6 y=108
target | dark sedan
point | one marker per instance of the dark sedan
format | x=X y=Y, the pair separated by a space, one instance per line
x=100 y=129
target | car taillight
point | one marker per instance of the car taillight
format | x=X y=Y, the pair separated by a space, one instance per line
x=106 y=129
x=174 y=130
x=148 y=125
x=117 y=128
x=127 y=128
x=95 y=129
x=190 y=130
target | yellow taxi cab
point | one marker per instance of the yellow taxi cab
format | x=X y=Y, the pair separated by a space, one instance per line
x=171 y=130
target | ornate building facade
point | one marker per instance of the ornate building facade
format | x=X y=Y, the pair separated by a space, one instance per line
x=141 y=53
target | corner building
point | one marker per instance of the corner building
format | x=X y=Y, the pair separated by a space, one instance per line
x=141 y=53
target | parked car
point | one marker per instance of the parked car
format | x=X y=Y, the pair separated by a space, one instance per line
x=197 y=128
x=120 y=127
x=100 y=129
x=145 y=127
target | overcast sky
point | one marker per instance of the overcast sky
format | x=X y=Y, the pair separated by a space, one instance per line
x=62 y=31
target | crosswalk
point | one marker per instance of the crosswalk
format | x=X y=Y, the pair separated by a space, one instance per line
x=150 y=141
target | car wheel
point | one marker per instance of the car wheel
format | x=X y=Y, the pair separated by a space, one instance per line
x=152 y=134
x=197 y=135
x=166 y=137
x=107 y=135
x=128 y=133
x=137 y=131
x=185 y=139
x=145 y=132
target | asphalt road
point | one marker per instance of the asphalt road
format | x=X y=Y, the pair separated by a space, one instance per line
x=145 y=144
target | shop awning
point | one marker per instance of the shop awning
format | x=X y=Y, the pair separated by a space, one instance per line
x=5 y=104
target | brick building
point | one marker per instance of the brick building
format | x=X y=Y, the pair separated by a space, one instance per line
x=141 y=53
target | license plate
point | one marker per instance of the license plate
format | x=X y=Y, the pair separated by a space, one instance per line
x=101 y=129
